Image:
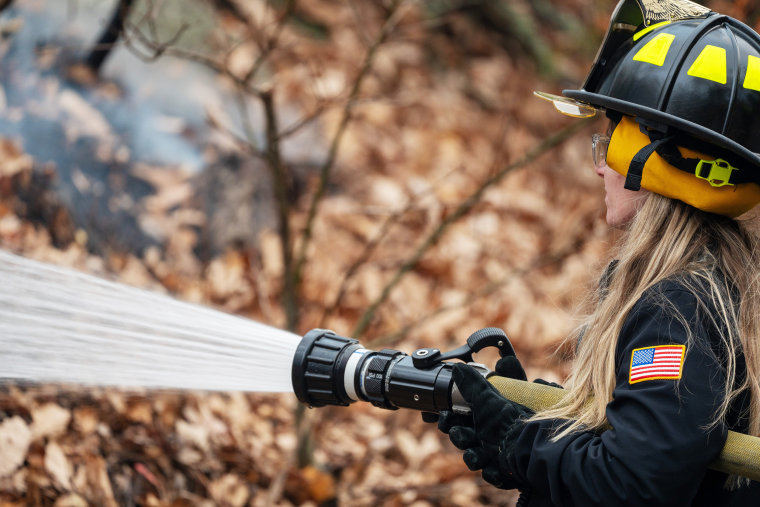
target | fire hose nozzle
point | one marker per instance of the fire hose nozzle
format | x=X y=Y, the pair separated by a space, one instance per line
x=318 y=368
x=329 y=369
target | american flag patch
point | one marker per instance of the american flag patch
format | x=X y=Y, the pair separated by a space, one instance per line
x=660 y=362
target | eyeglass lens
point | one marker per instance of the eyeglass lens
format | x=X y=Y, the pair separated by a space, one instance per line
x=599 y=144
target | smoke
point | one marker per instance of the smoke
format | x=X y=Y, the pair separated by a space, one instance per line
x=137 y=114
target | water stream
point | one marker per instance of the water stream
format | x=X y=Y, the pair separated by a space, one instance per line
x=59 y=325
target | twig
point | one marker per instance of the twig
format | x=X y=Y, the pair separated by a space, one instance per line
x=359 y=262
x=260 y=287
x=487 y=289
x=244 y=17
x=458 y=213
x=303 y=431
x=358 y=23
x=370 y=247
x=149 y=18
x=308 y=118
x=250 y=135
x=237 y=137
x=282 y=185
x=159 y=49
x=329 y=162
x=271 y=42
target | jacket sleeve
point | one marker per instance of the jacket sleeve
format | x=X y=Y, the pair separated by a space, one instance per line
x=659 y=448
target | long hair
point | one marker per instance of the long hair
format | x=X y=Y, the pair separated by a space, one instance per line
x=670 y=239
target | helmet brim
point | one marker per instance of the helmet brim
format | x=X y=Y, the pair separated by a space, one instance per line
x=647 y=113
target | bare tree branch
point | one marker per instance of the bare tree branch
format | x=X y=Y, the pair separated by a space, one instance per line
x=359 y=262
x=250 y=24
x=281 y=185
x=370 y=247
x=458 y=213
x=308 y=118
x=158 y=49
x=548 y=259
x=329 y=162
x=267 y=46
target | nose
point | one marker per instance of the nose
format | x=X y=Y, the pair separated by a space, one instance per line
x=599 y=170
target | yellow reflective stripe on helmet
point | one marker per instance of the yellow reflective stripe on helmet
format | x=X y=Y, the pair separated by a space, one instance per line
x=752 y=79
x=655 y=50
x=710 y=64
x=648 y=29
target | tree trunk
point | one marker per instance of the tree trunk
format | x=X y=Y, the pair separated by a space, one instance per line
x=110 y=35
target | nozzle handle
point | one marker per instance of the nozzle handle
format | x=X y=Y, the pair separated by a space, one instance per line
x=486 y=337
x=491 y=337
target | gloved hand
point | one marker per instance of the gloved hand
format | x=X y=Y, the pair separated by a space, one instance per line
x=508 y=366
x=486 y=434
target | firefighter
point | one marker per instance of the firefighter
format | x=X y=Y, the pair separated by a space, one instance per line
x=669 y=358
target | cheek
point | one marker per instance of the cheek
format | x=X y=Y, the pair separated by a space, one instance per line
x=613 y=180
x=622 y=204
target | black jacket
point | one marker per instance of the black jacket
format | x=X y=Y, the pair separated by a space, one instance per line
x=658 y=451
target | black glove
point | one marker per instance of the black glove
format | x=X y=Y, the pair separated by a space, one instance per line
x=547 y=383
x=486 y=434
x=508 y=366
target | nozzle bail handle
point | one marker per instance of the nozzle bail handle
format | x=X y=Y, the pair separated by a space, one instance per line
x=491 y=337
x=486 y=337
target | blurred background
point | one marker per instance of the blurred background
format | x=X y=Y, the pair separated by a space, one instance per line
x=379 y=168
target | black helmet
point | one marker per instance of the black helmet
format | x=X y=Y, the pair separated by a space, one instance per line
x=683 y=71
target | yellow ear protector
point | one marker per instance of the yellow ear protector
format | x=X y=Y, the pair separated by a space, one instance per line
x=707 y=188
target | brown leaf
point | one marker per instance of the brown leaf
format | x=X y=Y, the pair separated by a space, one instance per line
x=70 y=500
x=85 y=420
x=15 y=437
x=310 y=484
x=49 y=420
x=98 y=481
x=12 y=159
x=58 y=465
x=139 y=410
x=230 y=490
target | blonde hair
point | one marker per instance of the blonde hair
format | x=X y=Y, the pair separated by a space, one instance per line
x=717 y=259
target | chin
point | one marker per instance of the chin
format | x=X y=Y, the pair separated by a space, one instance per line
x=615 y=220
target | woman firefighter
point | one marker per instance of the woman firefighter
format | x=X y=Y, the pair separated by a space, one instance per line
x=669 y=359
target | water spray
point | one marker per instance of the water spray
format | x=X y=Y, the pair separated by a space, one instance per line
x=329 y=369
x=58 y=325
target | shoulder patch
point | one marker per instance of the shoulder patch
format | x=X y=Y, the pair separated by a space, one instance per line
x=659 y=362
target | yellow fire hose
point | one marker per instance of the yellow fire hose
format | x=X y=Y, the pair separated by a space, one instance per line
x=740 y=454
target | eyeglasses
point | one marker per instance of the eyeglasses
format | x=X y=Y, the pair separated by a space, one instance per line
x=599 y=144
